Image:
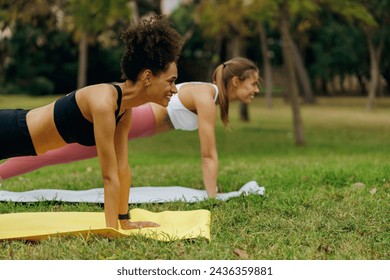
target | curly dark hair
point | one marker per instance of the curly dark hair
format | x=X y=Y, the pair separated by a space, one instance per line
x=150 y=44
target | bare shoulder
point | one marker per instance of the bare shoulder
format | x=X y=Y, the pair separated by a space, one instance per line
x=96 y=99
x=202 y=87
x=93 y=91
x=199 y=90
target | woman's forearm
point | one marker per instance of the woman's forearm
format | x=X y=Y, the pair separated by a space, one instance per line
x=125 y=183
x=111 y=201
x=210 y=174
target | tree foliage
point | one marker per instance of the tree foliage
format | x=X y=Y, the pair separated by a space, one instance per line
x=227 y=17
x=41 y=58
x=330 y=35
x=94 y=17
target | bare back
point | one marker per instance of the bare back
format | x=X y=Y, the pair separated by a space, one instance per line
x=43 y=131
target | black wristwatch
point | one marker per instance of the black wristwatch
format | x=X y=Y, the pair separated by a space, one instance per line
x=124 y=216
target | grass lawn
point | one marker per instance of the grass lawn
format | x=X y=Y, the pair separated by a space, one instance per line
x=313 y=207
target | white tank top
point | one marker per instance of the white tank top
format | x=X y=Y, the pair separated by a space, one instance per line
x=180 y=116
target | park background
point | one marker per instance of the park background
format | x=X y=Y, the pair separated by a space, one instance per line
x=316 y=137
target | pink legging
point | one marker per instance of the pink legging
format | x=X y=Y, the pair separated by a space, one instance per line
x=143 y=125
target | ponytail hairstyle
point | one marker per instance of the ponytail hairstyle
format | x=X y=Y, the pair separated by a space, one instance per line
x=239 y=67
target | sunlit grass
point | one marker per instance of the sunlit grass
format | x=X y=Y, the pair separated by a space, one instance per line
x=313 y=208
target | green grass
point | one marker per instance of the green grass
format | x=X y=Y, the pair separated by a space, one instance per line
x=311 y=210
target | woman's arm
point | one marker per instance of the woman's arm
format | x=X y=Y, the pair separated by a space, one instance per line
x=124 y=172
x=207 y=113
x=104 y=129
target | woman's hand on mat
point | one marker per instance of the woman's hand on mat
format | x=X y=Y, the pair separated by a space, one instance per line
x=137 y=225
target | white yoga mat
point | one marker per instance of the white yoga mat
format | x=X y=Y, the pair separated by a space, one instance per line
x=137 y=194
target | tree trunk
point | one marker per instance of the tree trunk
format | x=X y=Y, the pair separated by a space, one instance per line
x=83 y=61
x=235 y=50
x=323 y=86
x=293 y=88
x=236 y=46
x=218 y=58
x=375 y=55
x=386 y=76
x=134 y=11
x=303 y=76
x=362 y=84
x=244 y=112
x=267 y=66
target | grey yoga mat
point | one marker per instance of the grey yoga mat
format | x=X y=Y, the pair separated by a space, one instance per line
x=145 y=194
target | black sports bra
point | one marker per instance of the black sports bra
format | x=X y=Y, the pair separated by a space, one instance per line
x=70 y=122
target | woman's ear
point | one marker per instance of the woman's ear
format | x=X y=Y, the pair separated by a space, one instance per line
x=147 y=77
x=235 y=81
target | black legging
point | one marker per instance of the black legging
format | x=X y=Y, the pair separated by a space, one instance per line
x=15 y=139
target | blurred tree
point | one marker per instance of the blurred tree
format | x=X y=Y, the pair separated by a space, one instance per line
x=89 y=22
x=217 y=20
x=40 y=62
x=280 y=14
x=303 y=16
x=90 y=18
x=288 y=56
x=337 y=51
x=386 y=60
x=375 y=34
x=348 y=9
x=360 y=13
x=263 y=12
x=147 y=7
x=36 y=50
x=226 y=22
x=197 y=50
x=300 y=14
x=267 y=66
x=184 y=21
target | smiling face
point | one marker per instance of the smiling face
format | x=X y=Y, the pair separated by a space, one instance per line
x=163 y=86
x=244 y=90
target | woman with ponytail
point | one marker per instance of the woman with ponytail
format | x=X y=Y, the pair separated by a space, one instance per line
x=193 y=107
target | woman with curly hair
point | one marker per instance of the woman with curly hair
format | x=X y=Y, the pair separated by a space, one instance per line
x=193 y=107
x=101 y=114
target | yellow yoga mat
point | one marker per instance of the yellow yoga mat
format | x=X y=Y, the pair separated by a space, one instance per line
x=174 y=225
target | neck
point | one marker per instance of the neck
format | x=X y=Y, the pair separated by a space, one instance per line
x=231 y=96
x=133 y=94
